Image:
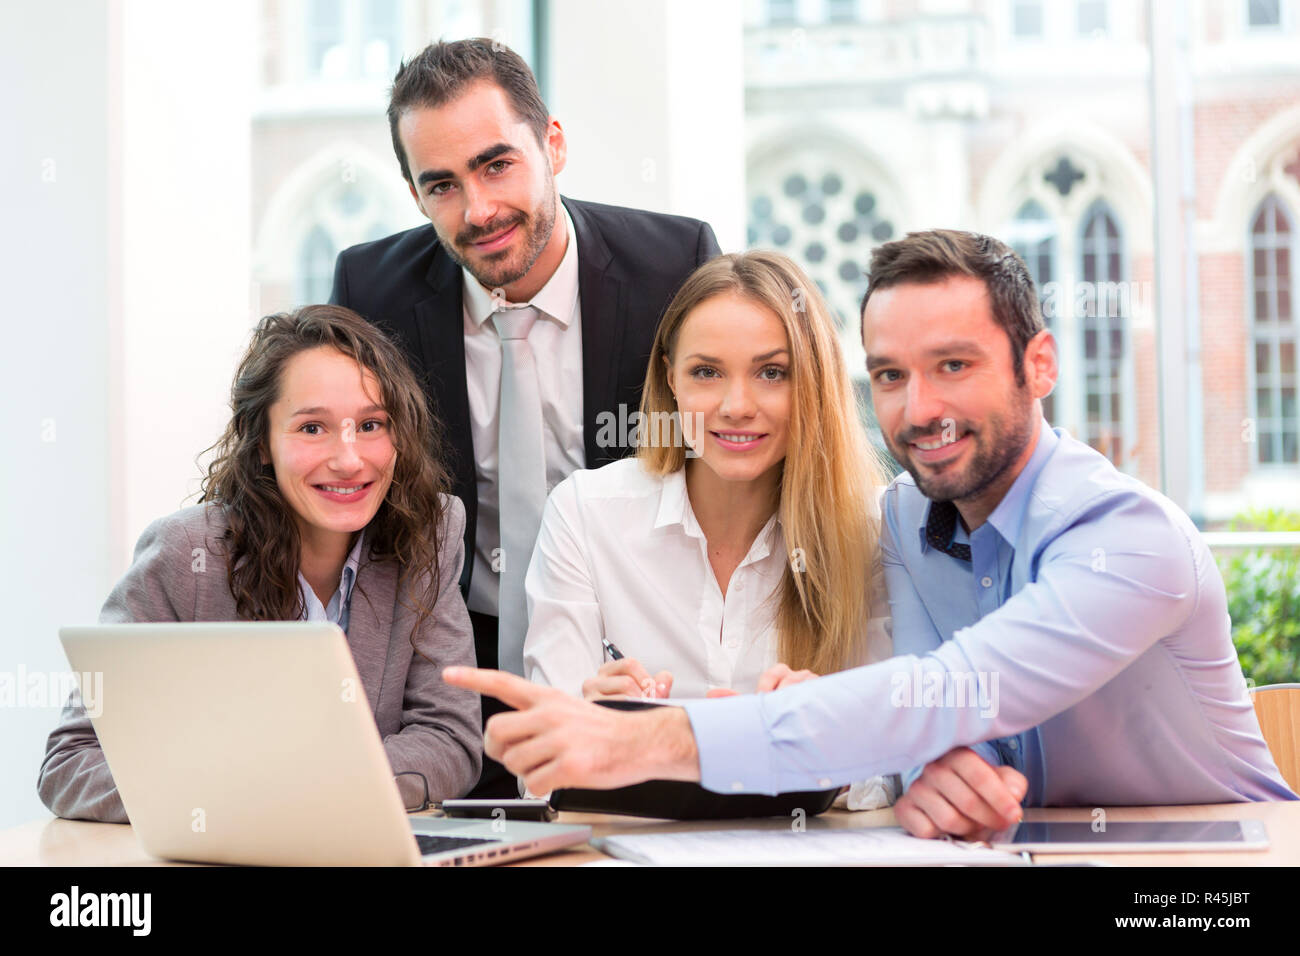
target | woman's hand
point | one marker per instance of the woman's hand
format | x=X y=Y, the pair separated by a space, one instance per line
x=626 y=678
x=774 y=678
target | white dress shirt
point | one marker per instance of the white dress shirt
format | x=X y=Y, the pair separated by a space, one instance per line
x=620 y=555
x=556 y=341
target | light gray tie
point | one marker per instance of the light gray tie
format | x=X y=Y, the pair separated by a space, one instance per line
x=521 y=478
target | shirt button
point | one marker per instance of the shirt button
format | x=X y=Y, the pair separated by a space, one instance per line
x=737 y=786
x=1013 y=744
x=986 y=581
x=740 y=585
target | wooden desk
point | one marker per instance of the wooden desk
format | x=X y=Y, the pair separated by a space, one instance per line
x=53 y=842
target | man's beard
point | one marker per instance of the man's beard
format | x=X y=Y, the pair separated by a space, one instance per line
x=997 y=446
x=536 y=229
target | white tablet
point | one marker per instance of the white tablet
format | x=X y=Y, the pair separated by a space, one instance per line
x=1151 y=836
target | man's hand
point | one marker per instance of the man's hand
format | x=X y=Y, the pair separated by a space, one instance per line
x=961 y=794
x=553 y=740
x=626 y=677
x=774 y=678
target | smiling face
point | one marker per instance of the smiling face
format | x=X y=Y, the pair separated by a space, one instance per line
x=330 y=445
x=479 y=175
x=730 y=373
x=945 y=393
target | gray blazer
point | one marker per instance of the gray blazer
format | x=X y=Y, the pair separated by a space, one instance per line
x=428 y=726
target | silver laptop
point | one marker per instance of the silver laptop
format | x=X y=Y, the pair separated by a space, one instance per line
x=254 y=743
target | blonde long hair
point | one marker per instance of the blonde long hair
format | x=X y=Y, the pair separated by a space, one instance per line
x=831 y=474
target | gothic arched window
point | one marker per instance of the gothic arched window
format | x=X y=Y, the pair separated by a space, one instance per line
x=1104 y=325
x=1272 y=246
x=1033 y=236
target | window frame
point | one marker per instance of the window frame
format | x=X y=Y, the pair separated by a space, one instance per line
x=1277 y=467
x=1013 y=7
x=1105 y=18
x=1127 y=386
x=354 y=23
x=1017 y=242
x=1264 y=29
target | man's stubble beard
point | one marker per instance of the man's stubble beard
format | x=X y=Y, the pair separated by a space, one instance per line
x=990 y=459
x=542 y=221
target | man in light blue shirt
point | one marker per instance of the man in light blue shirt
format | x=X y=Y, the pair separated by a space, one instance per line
x=1062 y=629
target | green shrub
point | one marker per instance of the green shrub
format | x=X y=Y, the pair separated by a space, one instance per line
x=1264 y=601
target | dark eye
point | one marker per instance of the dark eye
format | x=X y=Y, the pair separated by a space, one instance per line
x=773 y=373
x=704 y=371
x=373 y=421
x=499 y=165
x=437 y=189
x=309 y=425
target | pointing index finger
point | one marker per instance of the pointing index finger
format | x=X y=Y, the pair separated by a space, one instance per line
x=505 y=687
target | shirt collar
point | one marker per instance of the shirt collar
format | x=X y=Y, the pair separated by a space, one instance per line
x=557 y=299
x=1010 y=511
x=675 y=506
x=350 y=567
x=347 y=577
x=675 y=509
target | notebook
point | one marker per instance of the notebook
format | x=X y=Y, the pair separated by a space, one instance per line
x=788 y=846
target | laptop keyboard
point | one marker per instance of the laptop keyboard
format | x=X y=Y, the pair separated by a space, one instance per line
x=440 y=844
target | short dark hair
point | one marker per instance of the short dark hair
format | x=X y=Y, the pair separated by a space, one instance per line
x=441 y=72
x=926 y=257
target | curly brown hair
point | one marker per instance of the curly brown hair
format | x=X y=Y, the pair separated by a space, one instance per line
x=263 y=544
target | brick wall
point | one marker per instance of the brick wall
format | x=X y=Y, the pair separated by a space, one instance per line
x=1223 y=370
x=1222 y=125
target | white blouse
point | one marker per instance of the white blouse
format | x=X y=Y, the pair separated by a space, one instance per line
x=621 y=556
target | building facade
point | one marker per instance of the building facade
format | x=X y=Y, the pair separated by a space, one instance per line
x=1032 y=120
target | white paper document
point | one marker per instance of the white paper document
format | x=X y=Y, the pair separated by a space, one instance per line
x=867 y=846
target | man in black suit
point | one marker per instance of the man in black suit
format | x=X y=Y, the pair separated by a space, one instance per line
x=480 y=153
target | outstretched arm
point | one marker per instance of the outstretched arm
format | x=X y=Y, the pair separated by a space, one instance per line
x=553 y=740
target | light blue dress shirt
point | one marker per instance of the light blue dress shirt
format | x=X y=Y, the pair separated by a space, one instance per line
x=1086 y=643
x=340 y=606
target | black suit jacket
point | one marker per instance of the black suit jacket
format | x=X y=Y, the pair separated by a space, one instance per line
x=630 y=264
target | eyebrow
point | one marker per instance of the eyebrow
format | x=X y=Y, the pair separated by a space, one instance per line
x=486 y=156
x=757 y=358
x=321 y=410
x=959 y=347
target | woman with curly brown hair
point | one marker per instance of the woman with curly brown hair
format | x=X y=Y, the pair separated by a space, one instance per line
x=325 y=501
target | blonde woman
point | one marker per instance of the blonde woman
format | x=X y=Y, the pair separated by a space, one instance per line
x=737 y=551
